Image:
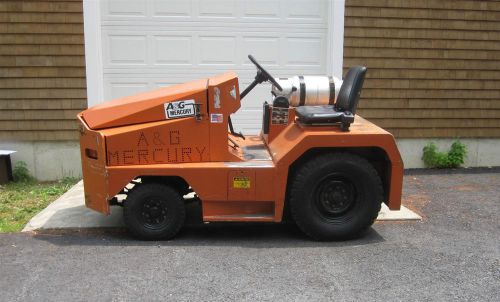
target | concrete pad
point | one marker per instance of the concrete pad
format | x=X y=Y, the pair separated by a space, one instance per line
x=69 y=211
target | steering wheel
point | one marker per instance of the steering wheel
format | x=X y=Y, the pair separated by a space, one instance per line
x=263 y=75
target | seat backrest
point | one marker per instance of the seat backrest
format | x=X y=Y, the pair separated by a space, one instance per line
x=350 y=90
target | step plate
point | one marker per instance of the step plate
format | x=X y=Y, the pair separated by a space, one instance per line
x=257 y=153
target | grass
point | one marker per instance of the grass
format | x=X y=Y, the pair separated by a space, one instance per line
x=20 y=201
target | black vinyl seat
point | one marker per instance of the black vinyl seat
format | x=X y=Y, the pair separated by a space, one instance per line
x=343 y=111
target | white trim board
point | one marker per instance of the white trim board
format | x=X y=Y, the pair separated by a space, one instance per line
x=336 y=37
x=93 y=52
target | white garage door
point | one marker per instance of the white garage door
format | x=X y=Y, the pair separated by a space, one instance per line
x=149 y=44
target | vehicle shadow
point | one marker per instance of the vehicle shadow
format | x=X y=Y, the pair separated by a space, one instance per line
x=197 y=233
x=248 y=235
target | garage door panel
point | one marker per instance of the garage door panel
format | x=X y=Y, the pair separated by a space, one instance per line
x=305 y=51
x=150 y=44
x=217 y=50
x=126 y=49
x=117 y=85
x=174 y=50
x=217 y=8
x=262 y=9
x=310 y=10
x=124 y=9
x=174 y=9
x=121 y=89
x=265 y=48
x=259 y=94
x=225 y=11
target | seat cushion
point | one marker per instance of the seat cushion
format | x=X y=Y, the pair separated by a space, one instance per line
x=322 y=115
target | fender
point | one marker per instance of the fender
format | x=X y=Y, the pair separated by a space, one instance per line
x=294 y=141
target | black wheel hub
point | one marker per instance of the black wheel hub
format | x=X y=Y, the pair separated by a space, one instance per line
x=154 y=213
x=334 y=196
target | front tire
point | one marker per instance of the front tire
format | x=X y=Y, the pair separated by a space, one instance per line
x=335 y=196
x=154 y=211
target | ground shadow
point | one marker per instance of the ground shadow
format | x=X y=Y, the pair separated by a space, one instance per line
x=197 y=233
x=248 y=235
x=80 y=217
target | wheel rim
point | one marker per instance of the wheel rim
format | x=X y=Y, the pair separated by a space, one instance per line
x=334 y=196
x=153 y=214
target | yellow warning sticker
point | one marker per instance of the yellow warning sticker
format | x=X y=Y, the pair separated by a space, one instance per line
x=241 y=182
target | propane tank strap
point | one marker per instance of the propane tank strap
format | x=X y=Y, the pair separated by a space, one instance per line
x=331 y=100
x=302 y=83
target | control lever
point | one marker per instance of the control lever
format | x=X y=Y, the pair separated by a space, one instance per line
x=231 y=129
x=235 y=145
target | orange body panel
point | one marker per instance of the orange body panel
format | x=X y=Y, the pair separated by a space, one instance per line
x=245 y=183
x=221 y=104
x=94 y=169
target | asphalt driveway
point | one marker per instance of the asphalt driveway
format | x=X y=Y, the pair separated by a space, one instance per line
x=453 y=254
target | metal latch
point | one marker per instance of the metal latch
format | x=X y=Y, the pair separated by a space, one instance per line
x=197 y=111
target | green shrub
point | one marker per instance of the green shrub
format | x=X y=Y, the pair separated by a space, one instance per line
x=21 y=172
x=433 y=158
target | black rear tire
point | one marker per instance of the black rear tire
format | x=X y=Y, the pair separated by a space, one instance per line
x=335 y=196
x=154 y=211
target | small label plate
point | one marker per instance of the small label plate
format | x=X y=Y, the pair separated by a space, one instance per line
x=241 y=182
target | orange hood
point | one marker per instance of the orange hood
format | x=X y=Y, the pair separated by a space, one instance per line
x=143 y=107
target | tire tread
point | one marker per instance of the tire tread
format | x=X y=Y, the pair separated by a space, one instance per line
x=136 y=194
x=307 y=168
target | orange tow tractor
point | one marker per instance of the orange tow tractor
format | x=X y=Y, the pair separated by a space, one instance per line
x=328 y=169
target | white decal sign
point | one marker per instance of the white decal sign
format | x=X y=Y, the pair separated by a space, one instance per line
x=216 y=97
x=232 y=92
x=179 y=109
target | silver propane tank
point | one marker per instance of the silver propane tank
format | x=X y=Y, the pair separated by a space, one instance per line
x=309 y=90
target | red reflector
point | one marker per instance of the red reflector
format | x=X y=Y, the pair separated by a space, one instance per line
x=91 y=153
